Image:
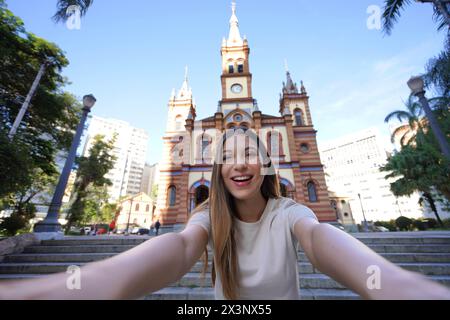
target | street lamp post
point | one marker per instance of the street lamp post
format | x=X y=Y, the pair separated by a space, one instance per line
x=50 y=223
x=129 y=215
x=27 y=101
x=416 y=84
x=396 y=201
x=366 y=229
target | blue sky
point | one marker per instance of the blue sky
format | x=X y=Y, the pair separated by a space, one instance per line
x=130 y=54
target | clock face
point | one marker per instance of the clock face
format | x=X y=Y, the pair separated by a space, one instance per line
x=236 y=88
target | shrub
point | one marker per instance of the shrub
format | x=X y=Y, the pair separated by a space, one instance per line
x=432 y=223
x=446 y=223
x=387 y=224
x=11 y=225
x=403 y=223
x=420 y=224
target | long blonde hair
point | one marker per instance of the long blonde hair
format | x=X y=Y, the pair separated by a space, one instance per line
x=221 y=207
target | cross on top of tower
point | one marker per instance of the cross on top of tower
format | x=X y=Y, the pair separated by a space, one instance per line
x=185 y=91
x=234 y=37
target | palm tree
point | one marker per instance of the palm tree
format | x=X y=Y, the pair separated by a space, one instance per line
x=414 y=122
x=437 y=76
x=62 y=15
x=392 y=11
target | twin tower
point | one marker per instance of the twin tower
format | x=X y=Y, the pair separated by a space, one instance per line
x=186 y=166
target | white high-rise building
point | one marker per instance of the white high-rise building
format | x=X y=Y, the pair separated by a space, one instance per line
x=150 y=178
x=130 y=148
x=352 y=168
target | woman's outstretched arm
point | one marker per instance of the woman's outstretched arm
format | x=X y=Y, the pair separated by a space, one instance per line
x=146 y=268
x=356 y=266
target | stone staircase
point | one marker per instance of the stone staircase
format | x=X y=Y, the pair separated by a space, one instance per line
x=426 y=252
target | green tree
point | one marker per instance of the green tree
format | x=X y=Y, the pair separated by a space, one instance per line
x=420 y=168
x=97 y=208
x=154 y=192
x=393 y=8
x=48 y=125
x=91 y=174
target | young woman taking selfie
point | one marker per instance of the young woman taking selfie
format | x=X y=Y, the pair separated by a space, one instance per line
x=254 y=235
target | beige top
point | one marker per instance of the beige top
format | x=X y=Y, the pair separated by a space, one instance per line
x=266 y=251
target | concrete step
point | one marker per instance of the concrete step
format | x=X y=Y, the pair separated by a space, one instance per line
x=304 y=267
x=373 y=238
x=96 y=240
x=57 y=257
x=54 y=267
x=78 y=249
x=92 y=248
x=321 y=281
x=417 y=248
x=179 y=293
x=404 y=240
x=405 y=257
x=328 y=294
x=312 y=281
x=89 y=257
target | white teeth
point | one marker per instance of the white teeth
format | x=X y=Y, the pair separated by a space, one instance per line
x=241 y=178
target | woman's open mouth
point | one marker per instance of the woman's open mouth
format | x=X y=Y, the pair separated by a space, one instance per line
x=242 y=181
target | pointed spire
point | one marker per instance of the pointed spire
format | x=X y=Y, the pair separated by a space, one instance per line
x=234 y=37
x=302 y=88
x=255 y=106
x=289 y=87
x=190 y=115
x=185 y=92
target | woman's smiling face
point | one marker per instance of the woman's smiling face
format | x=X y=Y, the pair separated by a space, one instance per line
x=241 y=168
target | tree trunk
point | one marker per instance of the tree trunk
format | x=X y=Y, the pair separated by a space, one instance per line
x=431 y=202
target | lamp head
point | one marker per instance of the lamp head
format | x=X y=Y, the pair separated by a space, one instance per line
x=89 y=101
x=416 y=84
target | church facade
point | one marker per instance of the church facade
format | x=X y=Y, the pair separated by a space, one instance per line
x=186 y=166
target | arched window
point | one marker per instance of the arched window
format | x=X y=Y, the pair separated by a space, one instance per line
x=204 y=148
x=298 y=117
x=275 y=144
x=178 y=122
x=286 y=188
x=304 y=147
x=312 y=191
x=147 y=208
x=172 y=193
x=136 y=208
